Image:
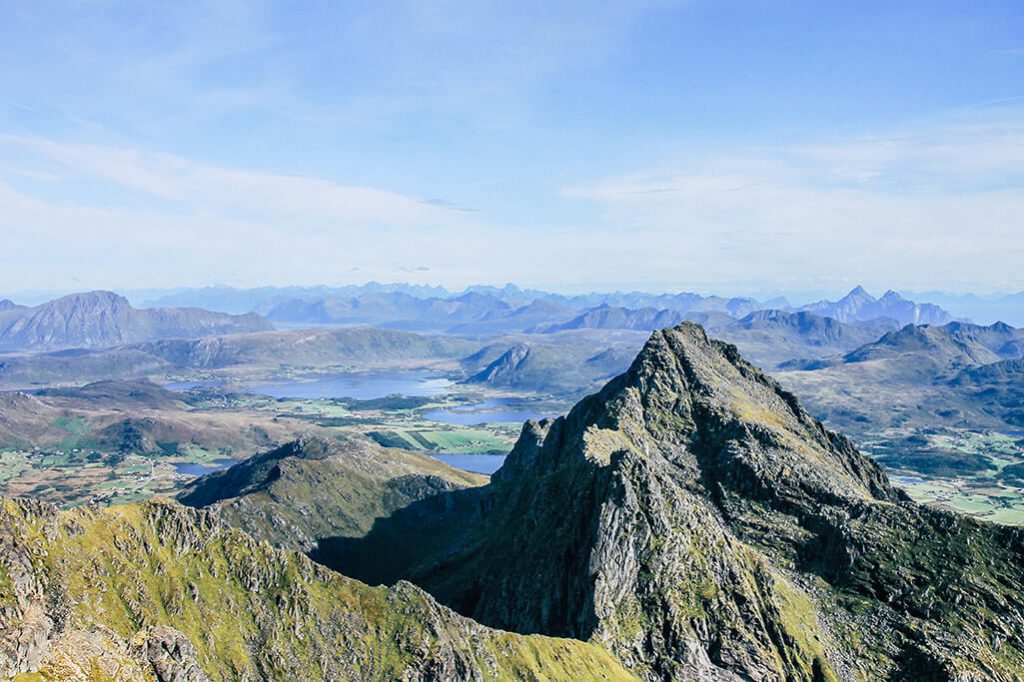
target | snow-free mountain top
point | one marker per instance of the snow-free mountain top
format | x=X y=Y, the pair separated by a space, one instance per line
x=101 y=319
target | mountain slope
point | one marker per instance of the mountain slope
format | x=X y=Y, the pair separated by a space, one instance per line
x=770 y=337
x=569 y=363
x=157 y=591
x=313 y=489
x=908 y=378
x=948 y=346
x=358 y=347
x=608 y=317
x=101 y=319
x=695 y=520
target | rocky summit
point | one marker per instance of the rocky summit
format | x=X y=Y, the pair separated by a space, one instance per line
x=693 y=519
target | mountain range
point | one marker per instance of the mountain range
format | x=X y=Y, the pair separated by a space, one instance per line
x=919 y=376
x=695 y=521
x=428 y=308
x=860 y=306
x=483 y=312
x=101 y=319
x=770 y=336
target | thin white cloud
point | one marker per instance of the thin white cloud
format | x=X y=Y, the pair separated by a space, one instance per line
x=210 y=187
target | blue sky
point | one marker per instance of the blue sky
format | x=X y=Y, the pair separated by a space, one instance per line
x=736 y=147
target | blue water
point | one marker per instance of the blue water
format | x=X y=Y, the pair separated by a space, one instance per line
x=907 y=479
x=479 y=464
x=190 y=469
x=186 y=385
x=358 y=386
x=488 y=412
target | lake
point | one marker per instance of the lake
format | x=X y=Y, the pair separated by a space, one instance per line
x=188 y=385
x=191 y=469
x=363 y=386
x=487 y=412
x=479 y=464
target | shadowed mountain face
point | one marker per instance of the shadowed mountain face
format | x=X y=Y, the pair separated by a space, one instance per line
x=695 y=520
x=101 y=319
x=314 y=488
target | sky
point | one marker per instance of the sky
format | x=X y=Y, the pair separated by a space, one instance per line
x=716 y=146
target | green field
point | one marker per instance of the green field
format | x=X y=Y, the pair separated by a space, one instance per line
x=971 y=472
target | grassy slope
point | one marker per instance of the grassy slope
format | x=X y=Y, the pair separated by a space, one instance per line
x=316 y=489
x=247 y=609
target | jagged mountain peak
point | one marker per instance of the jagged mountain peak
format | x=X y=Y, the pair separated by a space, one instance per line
x=859 y=292
x=685 y=391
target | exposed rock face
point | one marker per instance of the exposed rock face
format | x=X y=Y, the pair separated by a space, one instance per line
x=157 y=591
x=694 y=519
x=503 y=370
x=157 y=653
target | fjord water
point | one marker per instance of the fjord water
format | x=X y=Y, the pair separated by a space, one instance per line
x=193 y=469
x=360 y=386
x=494 y=410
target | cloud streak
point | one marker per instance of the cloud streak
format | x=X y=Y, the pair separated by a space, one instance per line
x=215 y=188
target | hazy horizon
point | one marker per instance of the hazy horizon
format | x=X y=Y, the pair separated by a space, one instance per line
x=795 y=297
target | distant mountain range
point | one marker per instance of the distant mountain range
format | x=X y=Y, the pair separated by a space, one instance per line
x=958 y=374
x=365 y=303
x=490 y=310
x=362 y=347
x=860 y=306
x=101 y=319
